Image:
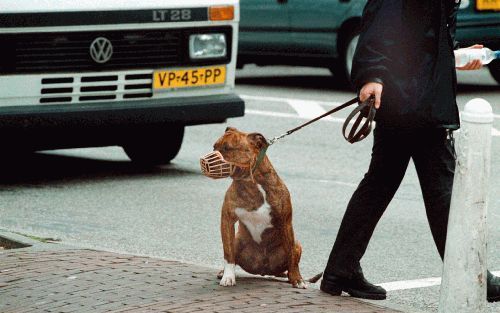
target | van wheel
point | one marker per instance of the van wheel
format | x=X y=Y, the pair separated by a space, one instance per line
x=343 y=67
x=495 y=70
x=145 y=151
x=349 y=53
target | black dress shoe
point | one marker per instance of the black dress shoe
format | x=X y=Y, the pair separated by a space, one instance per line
x=356 y=286
x=493 y=290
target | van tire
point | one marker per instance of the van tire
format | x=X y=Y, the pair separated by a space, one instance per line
x=147 y=152
x=495 y=70
x=342 y=68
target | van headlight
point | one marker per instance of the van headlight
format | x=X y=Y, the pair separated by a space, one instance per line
x=207 y=46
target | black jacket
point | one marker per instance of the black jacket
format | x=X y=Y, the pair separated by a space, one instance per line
x=407 y=45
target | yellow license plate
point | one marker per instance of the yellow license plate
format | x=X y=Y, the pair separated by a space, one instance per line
x=215 y=75
x=488 y=5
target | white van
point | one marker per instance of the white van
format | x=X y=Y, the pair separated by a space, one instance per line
x=115 y=72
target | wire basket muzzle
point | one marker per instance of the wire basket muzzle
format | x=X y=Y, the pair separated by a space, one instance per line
x=214 y=166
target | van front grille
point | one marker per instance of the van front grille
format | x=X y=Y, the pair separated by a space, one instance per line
x=70 y=51
x=88 y=88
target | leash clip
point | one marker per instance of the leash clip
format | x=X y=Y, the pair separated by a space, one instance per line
x=272 y=141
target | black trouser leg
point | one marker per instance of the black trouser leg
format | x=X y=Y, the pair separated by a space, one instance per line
x=390 y=158
x=434 y=158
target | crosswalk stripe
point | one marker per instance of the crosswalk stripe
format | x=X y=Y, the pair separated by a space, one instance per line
x=280 y=99
x=287 y=100
x=415 y=283
x=494 y=132
x=291 y=115
x=308 y=109
x=411 y=284
x=274 y=114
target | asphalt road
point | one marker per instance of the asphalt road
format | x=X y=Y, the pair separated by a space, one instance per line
x=96 y=198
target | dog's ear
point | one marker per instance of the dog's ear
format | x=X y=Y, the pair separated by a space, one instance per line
x=257 y=140
x=232 y=129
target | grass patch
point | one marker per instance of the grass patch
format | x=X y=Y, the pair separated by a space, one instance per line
x=40 y=239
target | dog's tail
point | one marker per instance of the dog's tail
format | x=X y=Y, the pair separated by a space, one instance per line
x=315 y=278
x=311 y=280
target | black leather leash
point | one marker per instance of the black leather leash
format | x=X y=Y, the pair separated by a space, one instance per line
x=364 y=111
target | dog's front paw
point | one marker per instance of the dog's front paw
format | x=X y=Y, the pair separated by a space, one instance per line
x=228 y=280
x=299 y=284
x=228 y=277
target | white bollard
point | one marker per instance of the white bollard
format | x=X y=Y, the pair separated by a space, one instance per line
x=463 y=288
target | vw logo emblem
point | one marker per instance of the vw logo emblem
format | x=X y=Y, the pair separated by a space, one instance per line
x=101 y=50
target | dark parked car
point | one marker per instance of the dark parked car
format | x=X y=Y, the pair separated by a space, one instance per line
x=324 y=33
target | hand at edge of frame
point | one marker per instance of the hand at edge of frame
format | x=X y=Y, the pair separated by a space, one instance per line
x=474 y=64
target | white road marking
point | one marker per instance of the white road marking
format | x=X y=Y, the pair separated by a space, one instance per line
x=275 y=114
x=338 y=182
x=415 y=283
x=308 y=109
x=291 y=115
x=411 y=284
x=280 y=99
x=311 y=109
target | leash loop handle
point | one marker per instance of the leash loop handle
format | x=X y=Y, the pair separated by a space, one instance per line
x=365 y=110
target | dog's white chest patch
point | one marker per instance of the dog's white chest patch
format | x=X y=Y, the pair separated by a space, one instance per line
x=256 y=221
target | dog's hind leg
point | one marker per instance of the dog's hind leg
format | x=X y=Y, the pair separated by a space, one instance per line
x=293 y=272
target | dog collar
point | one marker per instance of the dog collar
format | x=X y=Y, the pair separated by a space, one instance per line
x=260 y=158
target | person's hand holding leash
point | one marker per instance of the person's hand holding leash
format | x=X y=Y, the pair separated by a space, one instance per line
x=371 y=89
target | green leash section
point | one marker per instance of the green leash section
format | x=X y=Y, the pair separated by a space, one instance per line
x=260 y=157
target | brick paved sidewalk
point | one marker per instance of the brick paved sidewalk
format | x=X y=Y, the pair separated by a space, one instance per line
x=74 y=280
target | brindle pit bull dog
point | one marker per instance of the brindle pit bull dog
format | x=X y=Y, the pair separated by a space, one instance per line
x=265 y=243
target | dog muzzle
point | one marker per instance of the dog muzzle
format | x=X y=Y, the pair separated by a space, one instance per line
x=214 y=166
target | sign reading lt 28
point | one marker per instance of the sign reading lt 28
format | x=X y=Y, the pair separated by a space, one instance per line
x=172 y=15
